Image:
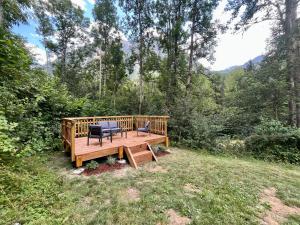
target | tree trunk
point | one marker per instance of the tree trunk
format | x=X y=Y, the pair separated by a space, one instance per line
x=63 y=64
x=1 y=14
x=141 y=77
x=290 y=29
x=189 y=78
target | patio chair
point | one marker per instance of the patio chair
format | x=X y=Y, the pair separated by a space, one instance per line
x=145 y=129
x=95 y=131
x=114 y=128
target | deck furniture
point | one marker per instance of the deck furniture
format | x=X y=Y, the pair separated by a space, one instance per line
x=114 y=128
x=104 y=125
x=111 y=127
x=145 y=129
x=75 y=131
x=95 y=131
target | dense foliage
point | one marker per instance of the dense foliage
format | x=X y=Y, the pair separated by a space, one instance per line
x=108 y=67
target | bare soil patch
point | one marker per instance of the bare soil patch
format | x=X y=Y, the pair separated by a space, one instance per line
x=279 y=211
x=157 y=169
x=132 y=194
x=175 y=219
x=162 y=153
x=120 y=173
x=104 y=167
x=191 y=188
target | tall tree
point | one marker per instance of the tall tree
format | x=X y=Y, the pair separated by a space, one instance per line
x=68 y=22
x=202 y=32
x=45 y=28
x=139 y=17
x=285 y=12
x=172 y=36
x=105 y=33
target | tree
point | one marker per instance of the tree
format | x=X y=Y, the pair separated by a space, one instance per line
x=285 y=13
x=105 y=33
x=139 y=16
x=45 y=28
x=202 y=32
x=13 y=12
x=68 y=22
x=172 y=36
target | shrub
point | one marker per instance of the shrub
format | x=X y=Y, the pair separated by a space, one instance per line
x=7 y=142
x=111 y=160
x=231 y=146
x=278 y=147
x=272 y=127
x=92 y=165
x=158 y=148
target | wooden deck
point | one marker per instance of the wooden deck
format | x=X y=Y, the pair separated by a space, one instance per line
x=83 y=152
x=75 y=130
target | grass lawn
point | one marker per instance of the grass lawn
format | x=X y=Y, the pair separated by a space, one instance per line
x=204 y=188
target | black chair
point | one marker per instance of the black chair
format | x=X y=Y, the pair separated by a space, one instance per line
x=95 y=131
x=145 y=129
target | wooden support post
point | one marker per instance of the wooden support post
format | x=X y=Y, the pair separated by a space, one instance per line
x=78 y=162
x=167 y=142
x=121 y=152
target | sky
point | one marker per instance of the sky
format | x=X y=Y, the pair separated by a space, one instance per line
x=232 y=48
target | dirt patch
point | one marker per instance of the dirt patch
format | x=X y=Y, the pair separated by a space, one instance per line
x=157 y=169
x=278 y=211
x=120 y=173
x=131 y=195
x=175 y=219
x=162 y=153
x=191 y=188
x=104 y=167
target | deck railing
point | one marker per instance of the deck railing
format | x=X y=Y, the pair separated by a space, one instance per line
x=74 y=127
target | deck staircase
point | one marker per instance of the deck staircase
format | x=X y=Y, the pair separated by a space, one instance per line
x=139 y=154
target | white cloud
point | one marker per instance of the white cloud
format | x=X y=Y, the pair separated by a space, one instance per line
x=80 y=3
x=38 y=53
x=238 y=48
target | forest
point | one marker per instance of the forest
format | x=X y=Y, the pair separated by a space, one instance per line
x=90 y=72
x=234 y=133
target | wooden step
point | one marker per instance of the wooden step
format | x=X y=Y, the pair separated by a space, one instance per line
x=139 y=154
x=142 y=157
x=139 y=148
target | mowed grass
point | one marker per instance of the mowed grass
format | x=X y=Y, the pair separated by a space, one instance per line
x=225 y=191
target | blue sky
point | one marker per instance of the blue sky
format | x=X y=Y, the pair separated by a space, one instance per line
x=28 y=31
x=232 y=49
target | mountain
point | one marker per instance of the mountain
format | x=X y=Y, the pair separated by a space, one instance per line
x=257 y=60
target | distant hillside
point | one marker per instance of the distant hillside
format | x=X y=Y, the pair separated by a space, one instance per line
x=255 y=61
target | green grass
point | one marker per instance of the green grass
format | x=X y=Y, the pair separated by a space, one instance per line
x=43 y=192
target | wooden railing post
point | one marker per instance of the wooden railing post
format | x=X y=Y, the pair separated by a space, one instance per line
x=73 y=140
x=166 y=127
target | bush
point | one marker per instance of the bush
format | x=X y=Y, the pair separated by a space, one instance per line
x=272 y=127
x=158 y=148
x=278 y=147
x=231 y=146
x=92 y=165
x=111 y=160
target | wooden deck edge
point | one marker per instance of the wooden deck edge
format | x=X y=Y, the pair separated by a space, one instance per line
x=80 y=158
